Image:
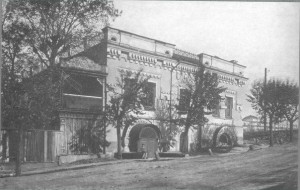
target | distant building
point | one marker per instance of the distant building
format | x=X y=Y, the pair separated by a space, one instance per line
x=252 y=123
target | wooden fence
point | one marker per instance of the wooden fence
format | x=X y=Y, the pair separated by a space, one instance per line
x=38 y=145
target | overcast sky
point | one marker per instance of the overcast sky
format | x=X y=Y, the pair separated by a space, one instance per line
x=257 y=35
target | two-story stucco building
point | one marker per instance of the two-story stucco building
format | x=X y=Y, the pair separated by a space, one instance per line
x=166 y=65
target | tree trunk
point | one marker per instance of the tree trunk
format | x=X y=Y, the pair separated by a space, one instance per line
x=185 y=142
x=4 y=145
x=119 y=154
x=19 y=152
x=124 y=132
x=200 y=138
x=291 y=131
x=271 y=130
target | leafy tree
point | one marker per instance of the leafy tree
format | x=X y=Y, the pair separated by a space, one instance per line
x=56 y=26
x=13 y=110
x=290 y=99
x=268 y=98
x=43 y=30
x=43 y=92
x=124 y=104
x=169 y=129
x=202 y=95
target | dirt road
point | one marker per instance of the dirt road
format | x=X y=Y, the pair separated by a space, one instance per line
x=270 y=168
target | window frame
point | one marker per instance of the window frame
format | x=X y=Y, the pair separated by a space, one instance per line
x=182 y=109
x=229 y=108
x=154 y=90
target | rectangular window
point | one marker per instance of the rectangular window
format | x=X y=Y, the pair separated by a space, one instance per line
x=150 y=93
x=184 y=100
x=229 y=107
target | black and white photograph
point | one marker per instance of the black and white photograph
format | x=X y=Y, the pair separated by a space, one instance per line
x=162 y=95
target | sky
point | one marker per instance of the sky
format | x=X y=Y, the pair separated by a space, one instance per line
x=258 y=35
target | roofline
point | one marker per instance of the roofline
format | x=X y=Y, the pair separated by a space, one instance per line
x=140 y=50
x=227 y=72
x=104 y=29
x=223 y=59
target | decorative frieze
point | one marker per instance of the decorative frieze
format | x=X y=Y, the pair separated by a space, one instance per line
x=142 y=73
x=186 y=69
x=132 y=57
x=181 y=70
x=230 y=80
x=113 y=53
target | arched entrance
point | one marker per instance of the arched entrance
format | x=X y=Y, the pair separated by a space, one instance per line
x=146 y=134
x=224 y=138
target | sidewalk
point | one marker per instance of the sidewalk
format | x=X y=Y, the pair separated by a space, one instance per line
x=42 y=168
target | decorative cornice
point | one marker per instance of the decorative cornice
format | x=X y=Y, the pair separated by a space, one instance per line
x=113 y=53
x=142 y=73
x=230 y=80
x=141 y=58
x=182 y=70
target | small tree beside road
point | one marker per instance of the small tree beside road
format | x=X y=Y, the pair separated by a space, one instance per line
x=168 y=128
x=268 y=98
x=201 y=96
x=125 y=102
x=290 y=101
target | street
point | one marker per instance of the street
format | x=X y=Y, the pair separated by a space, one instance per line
x=269 y=168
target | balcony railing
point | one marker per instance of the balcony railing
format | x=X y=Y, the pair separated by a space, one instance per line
x=81 y=102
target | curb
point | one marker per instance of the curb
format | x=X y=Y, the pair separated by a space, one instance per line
x=29 y=173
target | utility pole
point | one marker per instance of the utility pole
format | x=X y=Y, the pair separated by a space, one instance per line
x=1 y=82
x=170 y=103
x=105 y=115
x=265 y=114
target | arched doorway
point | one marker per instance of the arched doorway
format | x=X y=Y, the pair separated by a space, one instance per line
x=146 y=134
x=224 y=138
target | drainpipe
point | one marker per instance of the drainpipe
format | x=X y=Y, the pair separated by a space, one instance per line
x=170 y=103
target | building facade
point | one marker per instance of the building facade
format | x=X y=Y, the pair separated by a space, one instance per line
x=87 y=72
